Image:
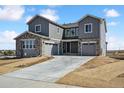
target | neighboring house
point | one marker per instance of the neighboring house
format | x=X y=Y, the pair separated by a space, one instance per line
x=86 y=37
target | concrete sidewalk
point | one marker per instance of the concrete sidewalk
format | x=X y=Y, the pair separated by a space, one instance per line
x=11 y=82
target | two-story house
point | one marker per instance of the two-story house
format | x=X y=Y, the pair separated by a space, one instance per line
x=86 y=37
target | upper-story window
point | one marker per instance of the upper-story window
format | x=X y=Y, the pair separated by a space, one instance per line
x=88 y=28
x=38 y=28
x=71 y=32
x=77 y=31
x=58 y=29
x=67 y=32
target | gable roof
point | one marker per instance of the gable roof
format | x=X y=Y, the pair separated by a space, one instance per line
x=75 y=24
x=45 y=19
x=45 y=37
x=88 y=15
x=99 y=18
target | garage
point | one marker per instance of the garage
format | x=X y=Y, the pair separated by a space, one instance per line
x=50 y=48
x=88 y=49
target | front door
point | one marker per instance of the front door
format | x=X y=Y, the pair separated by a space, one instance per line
x=66 y=47
x=70 y=48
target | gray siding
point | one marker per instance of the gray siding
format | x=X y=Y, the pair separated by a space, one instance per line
x=95 y=26
x=55 y=32
x=44 y=26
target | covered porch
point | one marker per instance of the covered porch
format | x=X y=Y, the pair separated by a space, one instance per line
x=70 y=47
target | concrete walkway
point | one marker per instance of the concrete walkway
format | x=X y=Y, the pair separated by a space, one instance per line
x=51 y=70
x=10 y=82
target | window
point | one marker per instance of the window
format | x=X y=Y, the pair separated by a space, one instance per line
x=58 y=29
x=77 y=30
x=88 y=28
x=38 y=28
x=85 y=43
x=72 y=31
x=91 y=43
x=67 y=32
x=22 y=43
x=28 y=43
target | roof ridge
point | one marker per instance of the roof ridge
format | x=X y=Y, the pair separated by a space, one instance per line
x=45 y=19
x=31 y=33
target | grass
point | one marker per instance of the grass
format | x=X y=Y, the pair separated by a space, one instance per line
x=8 y=65
x=98 y=72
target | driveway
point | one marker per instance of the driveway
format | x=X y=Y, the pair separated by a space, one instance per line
x=51 y=70
x=10 y=82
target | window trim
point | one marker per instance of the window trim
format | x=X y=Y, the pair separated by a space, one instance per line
x=25 y=44
x=36 y=26
x=85 y=27
x=77 y=31
x=58 y=30
x=68 y=32
x=72 y=30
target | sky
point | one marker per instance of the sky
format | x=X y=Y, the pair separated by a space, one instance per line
x=13 y=20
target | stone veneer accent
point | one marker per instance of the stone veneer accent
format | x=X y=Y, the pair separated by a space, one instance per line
x=31 y=52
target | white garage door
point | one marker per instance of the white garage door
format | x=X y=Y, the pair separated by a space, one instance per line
x=50 y=49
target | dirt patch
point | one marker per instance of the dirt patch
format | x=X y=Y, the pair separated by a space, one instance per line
x=121 y=75
x=96 y=62
x=118 y=54
x=27 y=64
x=12 y=65
x=8 y=61
x=98 y=72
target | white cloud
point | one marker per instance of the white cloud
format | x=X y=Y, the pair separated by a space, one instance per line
x=7 y=39
x=50 y=14
x=11 y=12
x=111 y=13
x=115 y=43
x=112 y=23
x=28 y=18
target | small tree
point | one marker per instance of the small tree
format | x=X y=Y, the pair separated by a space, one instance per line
x=1 y=52
x=10 y=52
x=5 y=52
